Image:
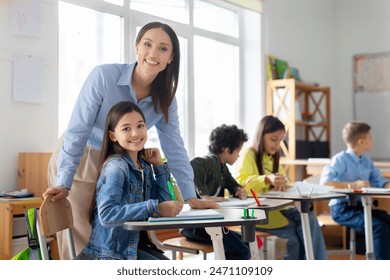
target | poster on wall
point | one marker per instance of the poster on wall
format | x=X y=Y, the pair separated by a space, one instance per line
x=371 y=73
x=371 y=86
x=27 y=78
x=25 y=17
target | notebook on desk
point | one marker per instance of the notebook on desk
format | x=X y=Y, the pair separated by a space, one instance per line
x=236 y=202
x=206 y=214
x=15 y=194
x=304 y=188
x=376 y=190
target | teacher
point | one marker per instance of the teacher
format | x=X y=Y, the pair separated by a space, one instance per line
x=151 y=83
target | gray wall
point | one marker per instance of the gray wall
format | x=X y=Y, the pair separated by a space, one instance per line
x=320 y=38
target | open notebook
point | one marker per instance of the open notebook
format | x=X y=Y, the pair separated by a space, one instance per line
x=204 y=214
x=304 y=188
x=236 y=202
x=376 y=190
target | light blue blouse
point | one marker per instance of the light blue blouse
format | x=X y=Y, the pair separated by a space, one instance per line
x=105 y=86
x=346 y=166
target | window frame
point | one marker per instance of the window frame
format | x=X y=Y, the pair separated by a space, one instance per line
x=132 y=18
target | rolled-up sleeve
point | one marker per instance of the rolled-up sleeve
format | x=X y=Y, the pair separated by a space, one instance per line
x=79 y=129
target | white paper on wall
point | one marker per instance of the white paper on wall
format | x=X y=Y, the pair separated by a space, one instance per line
x=25 y=17
x=27 y=78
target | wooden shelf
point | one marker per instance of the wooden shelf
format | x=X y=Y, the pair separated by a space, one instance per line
x=303 y=123
x=290 y=101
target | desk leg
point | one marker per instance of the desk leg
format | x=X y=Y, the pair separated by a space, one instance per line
x=248 y=234
x=216 y=237
x=254 y=250
x=367 y=202
x=6 y=220
x=307 y=236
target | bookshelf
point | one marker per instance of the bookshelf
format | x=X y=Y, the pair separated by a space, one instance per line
x=305 y=111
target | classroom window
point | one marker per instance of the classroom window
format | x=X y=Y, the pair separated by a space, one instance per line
x=176 y=10
x=86 y=38
x=215 y=18
x=214 y=57
x=215 y=88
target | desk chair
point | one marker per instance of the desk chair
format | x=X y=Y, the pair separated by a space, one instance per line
x=325 y=220
x=181 y=245
x=54 y=217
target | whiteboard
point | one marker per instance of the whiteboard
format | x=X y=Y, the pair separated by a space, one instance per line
x=374 y=109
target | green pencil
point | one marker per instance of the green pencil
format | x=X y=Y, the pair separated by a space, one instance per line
x=170 y=187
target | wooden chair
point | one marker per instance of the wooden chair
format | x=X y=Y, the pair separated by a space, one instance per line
x=54 y=217
x=181 y=245
x=327 y=221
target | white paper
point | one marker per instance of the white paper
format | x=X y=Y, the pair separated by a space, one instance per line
x=25 y=17
x=27 y=78
x=236 y=202
x=304 y=189
x=377 y=190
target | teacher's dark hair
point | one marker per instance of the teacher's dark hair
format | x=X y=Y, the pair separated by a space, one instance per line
x=165 y=85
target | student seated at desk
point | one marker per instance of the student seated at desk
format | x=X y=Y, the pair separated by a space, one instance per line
x=127 y=190
x=353 y=168
x=212 y=177
x=260 y=171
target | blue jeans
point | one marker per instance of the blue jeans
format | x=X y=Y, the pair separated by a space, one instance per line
x=235 y=248
x=293 y=232
x=353 y=217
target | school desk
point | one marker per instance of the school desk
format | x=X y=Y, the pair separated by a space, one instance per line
x=8 y=209
x=250 y=203
x=366 y=198
x=303 y=204
x=232 y=217
x=314 y=166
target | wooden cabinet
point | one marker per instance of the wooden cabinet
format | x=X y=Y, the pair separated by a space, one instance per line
x=9 y=209
x=305 y=111
x=32 y=172
x=32 y=175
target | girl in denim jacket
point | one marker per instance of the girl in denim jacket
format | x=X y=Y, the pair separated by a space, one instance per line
x=128 y=189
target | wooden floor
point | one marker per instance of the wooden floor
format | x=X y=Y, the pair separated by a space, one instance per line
x=345 y=257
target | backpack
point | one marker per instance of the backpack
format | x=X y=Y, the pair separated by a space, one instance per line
x=32 y=252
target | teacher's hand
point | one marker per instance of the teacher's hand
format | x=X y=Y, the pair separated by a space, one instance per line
x=58 y=193
x=197 y=203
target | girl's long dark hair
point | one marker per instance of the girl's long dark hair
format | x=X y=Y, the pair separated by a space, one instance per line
x=164 y=85
x=110 y=148
x=267 y=124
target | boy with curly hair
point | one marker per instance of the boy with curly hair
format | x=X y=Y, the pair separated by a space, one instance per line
x=212 y=177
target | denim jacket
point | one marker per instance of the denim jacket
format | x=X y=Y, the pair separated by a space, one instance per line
x=121 y=197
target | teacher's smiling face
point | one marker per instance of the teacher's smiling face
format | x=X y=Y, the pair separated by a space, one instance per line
x=154 y=51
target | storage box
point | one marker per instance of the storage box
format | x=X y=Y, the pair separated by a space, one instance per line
x=311 y=149
x=276 y=248
x=19 y=227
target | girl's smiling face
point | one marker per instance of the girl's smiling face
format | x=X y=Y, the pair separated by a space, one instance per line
x=130 y=133
x=272 y=141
